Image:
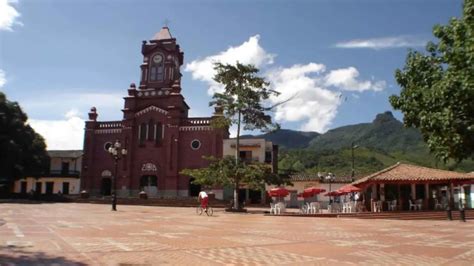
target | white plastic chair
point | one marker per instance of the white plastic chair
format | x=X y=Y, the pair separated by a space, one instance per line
x=273 y=209
x=347 y=207
x=314 y=207
x=412 y=205
x=377 y=206
x=393 y=205
x=281 y=207
x=305 y=208
x=419 y=204
x=437 y=205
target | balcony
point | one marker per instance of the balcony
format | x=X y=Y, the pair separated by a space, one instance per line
x=60 y=173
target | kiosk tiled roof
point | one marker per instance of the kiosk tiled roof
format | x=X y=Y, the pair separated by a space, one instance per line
x=314 y=177
x=401 y=172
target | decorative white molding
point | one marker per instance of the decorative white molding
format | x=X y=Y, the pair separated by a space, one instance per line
x=106 y=173
x=108 y=131
x=149 y=167
x=151 y=108
x=195 y=128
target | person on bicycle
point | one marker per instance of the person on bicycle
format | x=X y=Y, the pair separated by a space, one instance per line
x=204 y=199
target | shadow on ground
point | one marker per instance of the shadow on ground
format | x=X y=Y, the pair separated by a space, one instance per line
x=17 y=256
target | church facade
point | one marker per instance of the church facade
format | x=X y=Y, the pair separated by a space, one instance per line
x=160 y=138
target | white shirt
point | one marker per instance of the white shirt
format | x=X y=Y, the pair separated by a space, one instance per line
x=202 y=195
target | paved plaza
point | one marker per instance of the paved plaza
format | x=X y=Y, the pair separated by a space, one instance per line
x=88 y=234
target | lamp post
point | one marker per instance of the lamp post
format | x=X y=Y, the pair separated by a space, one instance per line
x=329 y=177
x=117 y=153
x=353 y=147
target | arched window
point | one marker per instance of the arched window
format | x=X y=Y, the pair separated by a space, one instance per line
x=151 y=130
x=158 y=132
x=142 y=132
x=157 y=68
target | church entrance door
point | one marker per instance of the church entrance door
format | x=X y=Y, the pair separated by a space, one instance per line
x=194 y=189
x=149 y=184
x=106 y=186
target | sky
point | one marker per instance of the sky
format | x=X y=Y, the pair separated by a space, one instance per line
x=334 y=59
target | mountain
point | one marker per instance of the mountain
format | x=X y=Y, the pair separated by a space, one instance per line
x=287 y=138
x=381 y=143
x=385 y=133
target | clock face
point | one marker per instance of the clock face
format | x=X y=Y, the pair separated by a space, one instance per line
x=157 y=59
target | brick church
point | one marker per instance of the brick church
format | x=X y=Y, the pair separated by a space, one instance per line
x=160 y=138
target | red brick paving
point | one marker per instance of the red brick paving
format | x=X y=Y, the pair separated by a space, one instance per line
x=88 y=234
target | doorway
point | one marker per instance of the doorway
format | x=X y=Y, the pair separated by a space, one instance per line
x=149 y=184
x=106 y=186
x=38 y=188
x=405 y=195
x=49 y=188
x=23 y=187
x=194 y=189
x=65 y=188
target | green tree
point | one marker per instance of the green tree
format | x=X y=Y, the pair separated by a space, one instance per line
x=437 y=93
x=225 y=171
x=242 y=103
x=22 y=150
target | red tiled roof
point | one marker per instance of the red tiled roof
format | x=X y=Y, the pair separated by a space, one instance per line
x=414 y=173
x=314 y=177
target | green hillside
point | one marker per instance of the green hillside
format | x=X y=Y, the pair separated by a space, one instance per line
x=287 y=138
x=385 y=133
x=381 y=143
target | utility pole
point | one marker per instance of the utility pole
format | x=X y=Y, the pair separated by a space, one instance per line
x=353 y=147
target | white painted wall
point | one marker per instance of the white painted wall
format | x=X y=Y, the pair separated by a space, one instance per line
x=74 y=184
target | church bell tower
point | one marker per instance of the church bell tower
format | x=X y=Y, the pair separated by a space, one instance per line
x=162 y=59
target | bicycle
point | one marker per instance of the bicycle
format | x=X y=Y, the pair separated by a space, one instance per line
x=209 y=211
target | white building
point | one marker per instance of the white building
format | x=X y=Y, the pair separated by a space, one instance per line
x=63 y=176
x=251 y=150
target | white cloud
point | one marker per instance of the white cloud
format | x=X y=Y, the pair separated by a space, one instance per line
x=68 y=132
x=249 y=52
x=108 y=104
x=346 y=79
x=3 y=79
x=314 y=94
x=383 y=42
x=8 y=14
x=310 y=101
x=65 y=134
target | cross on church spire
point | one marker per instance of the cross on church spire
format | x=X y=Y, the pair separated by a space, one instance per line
x=166 y=22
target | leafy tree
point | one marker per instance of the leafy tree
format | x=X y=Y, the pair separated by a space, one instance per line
x=242 y=105
x=22 y=150
x=226 y=170
x=241 y=101
x=438 y=89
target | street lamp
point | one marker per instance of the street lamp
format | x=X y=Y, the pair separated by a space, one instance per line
x=330 y=177
x=117 y=153
x=353 y=147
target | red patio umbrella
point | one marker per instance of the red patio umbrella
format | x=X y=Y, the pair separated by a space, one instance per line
x=314 y=190
x=278 y=192
x=305 y=195
x=333 y=193
x=348 y=189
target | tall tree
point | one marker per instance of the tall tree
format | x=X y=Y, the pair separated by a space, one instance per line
x=22 y=150
x=437 y=93
x=225 y=171
x=242 y=104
